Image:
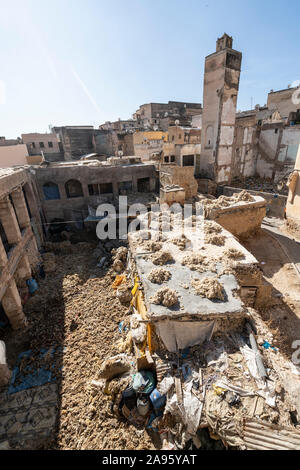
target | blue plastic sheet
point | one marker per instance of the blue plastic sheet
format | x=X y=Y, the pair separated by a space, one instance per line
x=30 y=376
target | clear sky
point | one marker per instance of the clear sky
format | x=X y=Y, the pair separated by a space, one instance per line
x=65 y=62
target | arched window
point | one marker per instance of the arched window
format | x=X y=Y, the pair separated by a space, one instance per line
x=209 y=137
x=73 y=188
x=51 y=191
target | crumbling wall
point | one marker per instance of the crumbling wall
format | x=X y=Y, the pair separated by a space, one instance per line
x=275 y=203
x=241 y=222
x=181 y=176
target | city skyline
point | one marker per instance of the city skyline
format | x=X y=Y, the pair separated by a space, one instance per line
x=72 y=63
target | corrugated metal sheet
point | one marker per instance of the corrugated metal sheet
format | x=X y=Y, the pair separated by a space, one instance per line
x=259 y=435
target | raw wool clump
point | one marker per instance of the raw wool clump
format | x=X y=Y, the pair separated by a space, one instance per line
x=211 y=227
x=120 y=253
x=118 y=266
x=62 y=248
x=180 y=242
x=193 y=261
x=213 y=239
x=119 y=258
x=124 y=293
x=233 y=253
x=165 y=296
x=49 y=262
x=114 y=366
x=161 y=257
x=222 y=201
x=153 y=246
x=159 y=275
x=125 y=346
x=138 y=329
x=116 y=386
x=243 y=196
x=208 y=287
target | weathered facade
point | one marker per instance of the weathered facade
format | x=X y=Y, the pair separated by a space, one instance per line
x=183 y=147
x=148 y=143
x=11 y=155
x=48 y=144
x=285 y=101
x=66 y=190
x=162 y=115
x=221 y=84
x=20 y=236
x=293 y=201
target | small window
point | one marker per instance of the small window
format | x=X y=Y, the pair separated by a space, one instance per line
x=50 y=145
x=188 y=160
x=33 y=145
x=42 y=145
x=93 y=189
x=172 y=158
x=73 y=188
x=276 y=130
x=51 y=191
x=173 y=138
x=179 y=137
x=125 y=186
x=166 y=159
x=106 y=188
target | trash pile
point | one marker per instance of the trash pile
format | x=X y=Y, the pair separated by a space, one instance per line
x=217 y=386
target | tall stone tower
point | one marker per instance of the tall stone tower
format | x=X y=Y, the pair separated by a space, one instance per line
x=220 y=91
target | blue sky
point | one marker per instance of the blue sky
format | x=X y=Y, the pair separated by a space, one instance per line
x=69 y=62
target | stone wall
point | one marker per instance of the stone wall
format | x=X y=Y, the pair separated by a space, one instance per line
x=275 y=202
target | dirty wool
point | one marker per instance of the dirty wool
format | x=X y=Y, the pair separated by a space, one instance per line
x=77 y=311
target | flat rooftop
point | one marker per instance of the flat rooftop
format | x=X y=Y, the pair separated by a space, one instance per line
x=215 y=265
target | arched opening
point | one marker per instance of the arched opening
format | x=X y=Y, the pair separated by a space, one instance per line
x=73 y=188
x=51 y=191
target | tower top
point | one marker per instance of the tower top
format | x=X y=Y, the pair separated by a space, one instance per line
x=224 y=42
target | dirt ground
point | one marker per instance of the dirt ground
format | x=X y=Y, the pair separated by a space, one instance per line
x=77 y=310
x=283 y=315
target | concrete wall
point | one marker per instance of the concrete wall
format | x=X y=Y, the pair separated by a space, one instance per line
x=13 y=155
